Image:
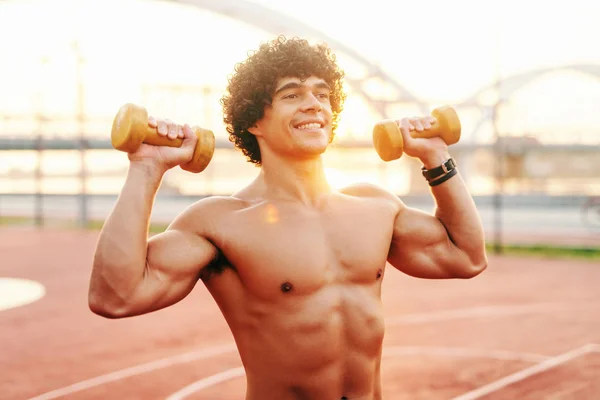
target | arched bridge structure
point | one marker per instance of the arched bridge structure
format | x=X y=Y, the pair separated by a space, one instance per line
x=507 y=87
x=275 y=22
x=278 y=23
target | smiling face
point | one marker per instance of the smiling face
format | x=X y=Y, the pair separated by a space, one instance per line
x=297 y=124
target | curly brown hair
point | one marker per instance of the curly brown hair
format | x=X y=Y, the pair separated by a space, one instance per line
x=253 y=82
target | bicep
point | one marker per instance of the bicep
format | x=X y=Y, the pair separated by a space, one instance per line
x=174 y=261
x=422 y=248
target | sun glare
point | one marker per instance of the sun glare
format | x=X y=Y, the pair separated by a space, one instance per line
x=339 y=179
x=86 y=58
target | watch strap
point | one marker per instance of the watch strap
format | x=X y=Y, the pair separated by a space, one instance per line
x=431 y=174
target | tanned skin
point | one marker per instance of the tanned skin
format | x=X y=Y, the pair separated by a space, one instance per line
x=295 y=266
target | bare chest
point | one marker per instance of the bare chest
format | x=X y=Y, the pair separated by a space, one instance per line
x=280 y=249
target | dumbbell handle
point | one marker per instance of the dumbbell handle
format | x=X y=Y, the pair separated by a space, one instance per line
x=152 y=137
x=436 y=130
x=447 y=126
x=130 y=129
x=387 y=137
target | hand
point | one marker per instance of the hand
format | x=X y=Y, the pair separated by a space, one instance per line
x=431 y=151
x=166 y=157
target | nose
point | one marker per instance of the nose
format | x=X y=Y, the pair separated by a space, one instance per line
x=311 y=103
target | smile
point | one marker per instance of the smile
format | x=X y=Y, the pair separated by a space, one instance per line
x=310 y=126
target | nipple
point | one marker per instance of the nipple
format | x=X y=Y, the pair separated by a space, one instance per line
x=286 y=287
x=379 y=273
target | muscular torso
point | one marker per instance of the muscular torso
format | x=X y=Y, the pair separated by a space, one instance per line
x=301 y=293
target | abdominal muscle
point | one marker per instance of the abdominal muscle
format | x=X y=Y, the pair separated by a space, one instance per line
x=324 y=345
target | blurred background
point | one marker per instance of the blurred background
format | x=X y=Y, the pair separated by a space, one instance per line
x=523 y=75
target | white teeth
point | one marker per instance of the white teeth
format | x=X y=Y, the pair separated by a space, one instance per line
x=313 y=125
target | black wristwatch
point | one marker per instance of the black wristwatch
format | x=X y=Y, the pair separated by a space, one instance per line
x=436 y=172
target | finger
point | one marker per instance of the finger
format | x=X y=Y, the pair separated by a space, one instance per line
x=405 y=126
x=168 y=127
x=152 y=121
x=413 y=123
x=172 y=130
x=426 y=124
x=428 y=121
x=189 y=137
x=417 y=124
x=180 y=132
x=162 y=128
x=188 y=133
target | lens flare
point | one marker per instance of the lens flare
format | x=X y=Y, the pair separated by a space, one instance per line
x=272 y=214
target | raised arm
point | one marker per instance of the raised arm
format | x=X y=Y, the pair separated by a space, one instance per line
x=450 y=243
x=132 y=275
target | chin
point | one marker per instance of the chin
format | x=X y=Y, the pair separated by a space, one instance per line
x=311 y=144
x=315 y=147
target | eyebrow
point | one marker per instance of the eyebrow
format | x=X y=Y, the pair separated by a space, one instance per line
x=296 y=85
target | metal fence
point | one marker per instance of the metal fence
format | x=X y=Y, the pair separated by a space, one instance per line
x=62 y=166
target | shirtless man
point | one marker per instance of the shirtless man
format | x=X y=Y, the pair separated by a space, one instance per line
x=295 y=266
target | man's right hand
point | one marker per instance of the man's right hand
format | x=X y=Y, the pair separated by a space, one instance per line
x=164 y=158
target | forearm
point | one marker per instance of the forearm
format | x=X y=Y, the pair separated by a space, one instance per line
x=456 y=210
x=120 y=257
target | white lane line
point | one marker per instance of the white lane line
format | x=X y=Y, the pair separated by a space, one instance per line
x=409 y=319
x=463 y=352
x=138 y=369
x=471 y=312
x=523 y=374
x=205 y=383
x=395 y=351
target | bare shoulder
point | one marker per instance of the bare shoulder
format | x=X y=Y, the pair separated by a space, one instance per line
x=365 y=189
x=204 y=213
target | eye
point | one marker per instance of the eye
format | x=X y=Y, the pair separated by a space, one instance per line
x=291 y=96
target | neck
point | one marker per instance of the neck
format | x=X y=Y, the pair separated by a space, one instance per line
x=301 y=180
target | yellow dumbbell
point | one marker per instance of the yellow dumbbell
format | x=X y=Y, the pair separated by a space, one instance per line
x=130 y=129
x=387 y=137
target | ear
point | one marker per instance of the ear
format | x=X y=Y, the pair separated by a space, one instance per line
x=255 y=130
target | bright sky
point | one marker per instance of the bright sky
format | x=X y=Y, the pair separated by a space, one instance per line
x=161 y=54
x=440 y=50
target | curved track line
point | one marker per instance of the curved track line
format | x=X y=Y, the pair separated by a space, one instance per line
x=137 y=370
x=523 y=374
x=207 y=382
x=395 y=351
x=409 y=319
